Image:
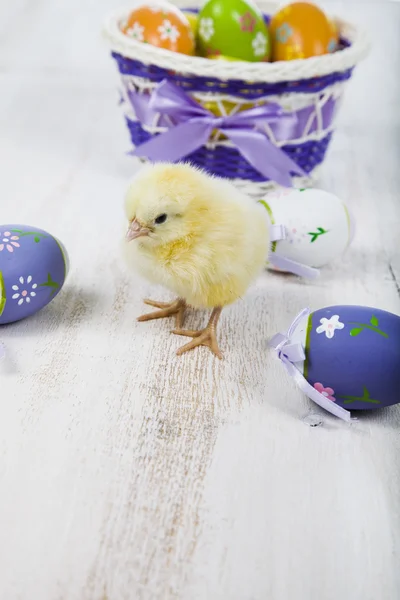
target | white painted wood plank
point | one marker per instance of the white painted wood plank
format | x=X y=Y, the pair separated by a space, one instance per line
x=127 y=473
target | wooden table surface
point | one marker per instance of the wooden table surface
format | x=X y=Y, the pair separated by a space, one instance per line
x=126 y=472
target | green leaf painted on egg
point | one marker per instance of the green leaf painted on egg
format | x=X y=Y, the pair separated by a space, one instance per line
x=366 y=397
x=316 y=234
x=374 y=321
x=355 y=331
x=37 y=234
x=3 y=298
x=50 y=283
x=367 y=326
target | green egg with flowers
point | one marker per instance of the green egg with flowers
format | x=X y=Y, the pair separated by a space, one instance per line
x=234 y=28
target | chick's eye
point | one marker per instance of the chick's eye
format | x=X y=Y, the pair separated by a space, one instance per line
x=160 y=219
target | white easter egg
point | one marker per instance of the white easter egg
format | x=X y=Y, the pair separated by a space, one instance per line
x=317 y=225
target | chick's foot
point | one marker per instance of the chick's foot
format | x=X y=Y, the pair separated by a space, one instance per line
x=203 y=337
x=167 y=309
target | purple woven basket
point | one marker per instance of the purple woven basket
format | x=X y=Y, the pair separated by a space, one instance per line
x=308 y=90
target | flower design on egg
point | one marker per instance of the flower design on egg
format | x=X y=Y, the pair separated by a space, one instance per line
x=136 y=32
x=332 y=45
x=247 y=22
x=168 y=31
x=213 y=52
x=8 y=241
x=328 y=326
x=325 y=391
x=283 y=33
x=259 y=44
x=206 y=29
x=25 y=290
x=279 y=193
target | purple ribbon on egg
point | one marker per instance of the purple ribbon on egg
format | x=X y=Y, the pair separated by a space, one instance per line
x=290 y=353
x=193 y=125
x=277 y=233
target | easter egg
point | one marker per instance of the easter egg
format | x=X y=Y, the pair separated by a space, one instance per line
x=33 y=268
x=223 y=108
x=160 y=24
x=234 y=28
x=334 y=29
x=351 y=355
x=222 y=57
x=301 y=30
x=317 y=226
x=193 y=21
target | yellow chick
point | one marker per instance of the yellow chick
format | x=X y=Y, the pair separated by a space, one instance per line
x=197 y=235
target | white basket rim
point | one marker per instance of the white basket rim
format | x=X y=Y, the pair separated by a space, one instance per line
x=293 y=70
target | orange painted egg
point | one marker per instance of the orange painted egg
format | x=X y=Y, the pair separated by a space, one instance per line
x=301 y=30
x=334 y=29
x=160 y=24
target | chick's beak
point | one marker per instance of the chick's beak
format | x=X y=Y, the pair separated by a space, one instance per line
x=136 y=230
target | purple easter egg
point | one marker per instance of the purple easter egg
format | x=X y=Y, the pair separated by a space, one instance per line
x=33 y=268
x=353 y=356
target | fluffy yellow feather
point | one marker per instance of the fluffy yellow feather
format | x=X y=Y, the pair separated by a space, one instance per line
x=198 y=236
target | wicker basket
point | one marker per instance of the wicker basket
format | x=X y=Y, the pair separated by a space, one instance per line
x=303 y=94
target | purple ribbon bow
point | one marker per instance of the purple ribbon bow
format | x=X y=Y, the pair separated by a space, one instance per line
x=277 y=233
x=290 y=353
x=194 y=125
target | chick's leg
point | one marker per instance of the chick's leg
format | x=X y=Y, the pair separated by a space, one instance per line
x=167 y=309
x=204 y=337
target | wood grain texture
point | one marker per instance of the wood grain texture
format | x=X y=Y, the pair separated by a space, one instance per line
x=127 y=473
